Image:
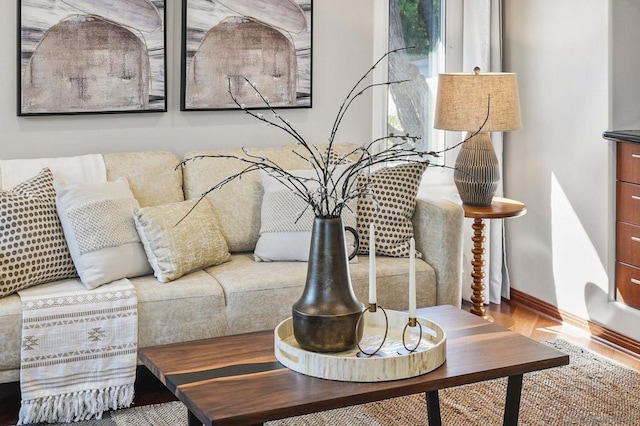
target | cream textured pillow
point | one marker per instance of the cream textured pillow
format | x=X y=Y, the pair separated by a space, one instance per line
x=286 y=222
x=179 y=240
x=32 y=245
x=390 y=206
x=97 y=219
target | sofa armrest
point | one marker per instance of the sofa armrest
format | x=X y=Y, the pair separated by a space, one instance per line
x=437 y=224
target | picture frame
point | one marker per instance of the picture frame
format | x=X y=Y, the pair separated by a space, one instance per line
x=227 y=44
x=91 y=56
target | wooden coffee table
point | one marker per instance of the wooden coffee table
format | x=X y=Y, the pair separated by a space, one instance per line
x=236 y=380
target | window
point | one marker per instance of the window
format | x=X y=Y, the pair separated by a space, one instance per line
x=409 y=107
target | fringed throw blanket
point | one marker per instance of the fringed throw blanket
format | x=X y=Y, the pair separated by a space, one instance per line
x=79 y=350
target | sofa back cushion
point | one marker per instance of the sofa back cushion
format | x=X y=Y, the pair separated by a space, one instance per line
x=238 y=203
x=152 y=176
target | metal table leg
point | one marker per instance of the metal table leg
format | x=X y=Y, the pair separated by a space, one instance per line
x=512 y=404
x=193 y=420
x=433 y=408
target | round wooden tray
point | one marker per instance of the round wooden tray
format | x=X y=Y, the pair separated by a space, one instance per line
x=387 y=364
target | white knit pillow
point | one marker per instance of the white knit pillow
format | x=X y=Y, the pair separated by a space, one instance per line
x=32 y=242
x=286 y=221
x=390 y=205
x=97 y=219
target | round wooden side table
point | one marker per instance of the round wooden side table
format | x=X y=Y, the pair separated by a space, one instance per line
x=500 y=208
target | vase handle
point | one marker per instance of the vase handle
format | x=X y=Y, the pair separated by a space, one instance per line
x=356 y=245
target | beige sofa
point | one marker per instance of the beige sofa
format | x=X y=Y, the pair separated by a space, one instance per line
x=243 y=295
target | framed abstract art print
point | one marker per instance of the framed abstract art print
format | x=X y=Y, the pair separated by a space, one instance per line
x=91 y=56
x=229 y=45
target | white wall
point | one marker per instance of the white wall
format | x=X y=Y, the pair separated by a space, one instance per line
x=342 y=52
x=571 y=90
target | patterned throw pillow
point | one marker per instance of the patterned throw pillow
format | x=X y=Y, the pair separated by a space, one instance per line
x=33 y=249
x=390 y=205
x=181 y=237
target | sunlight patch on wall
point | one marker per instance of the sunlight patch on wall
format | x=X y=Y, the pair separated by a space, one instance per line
x=575 y=259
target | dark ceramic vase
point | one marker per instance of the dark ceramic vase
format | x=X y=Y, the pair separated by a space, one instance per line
x=325 y=318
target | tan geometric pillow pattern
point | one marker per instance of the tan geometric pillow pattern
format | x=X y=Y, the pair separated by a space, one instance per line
x=33 y=249
x=181 y=237
x=390 y=207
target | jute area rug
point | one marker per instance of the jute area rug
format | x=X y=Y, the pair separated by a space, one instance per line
x=589 y=391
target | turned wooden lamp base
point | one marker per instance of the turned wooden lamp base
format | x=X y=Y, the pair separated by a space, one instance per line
x=500 y=208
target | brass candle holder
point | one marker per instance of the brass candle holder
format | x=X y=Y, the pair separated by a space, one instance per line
x=373 y=308
x=413 y=322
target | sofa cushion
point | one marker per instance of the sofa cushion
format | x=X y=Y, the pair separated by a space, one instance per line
x=152 y=176
x=189 y=308
x=97 y=219
x=258 y=294
x=261 y=294
x=238 y=203
x=11 y=332
x=32 y=242
x=181 y=237
x=389 y=205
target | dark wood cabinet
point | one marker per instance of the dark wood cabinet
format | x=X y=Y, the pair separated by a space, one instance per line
x=627 y=216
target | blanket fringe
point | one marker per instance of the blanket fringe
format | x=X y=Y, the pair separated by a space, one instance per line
x=76 y=406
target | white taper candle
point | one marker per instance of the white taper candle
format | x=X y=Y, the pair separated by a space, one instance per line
x=412 y=278
x=372 y=264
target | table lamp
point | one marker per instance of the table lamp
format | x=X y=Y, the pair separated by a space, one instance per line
x=477 y=103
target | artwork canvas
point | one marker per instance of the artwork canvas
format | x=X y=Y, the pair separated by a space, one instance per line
x=91 y=56
x=226 y=42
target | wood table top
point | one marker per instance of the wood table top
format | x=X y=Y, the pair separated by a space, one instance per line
x=500 y=208
x=237 y=379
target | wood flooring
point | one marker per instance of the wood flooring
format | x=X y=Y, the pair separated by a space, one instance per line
x=525 y=321
x=542 y=327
